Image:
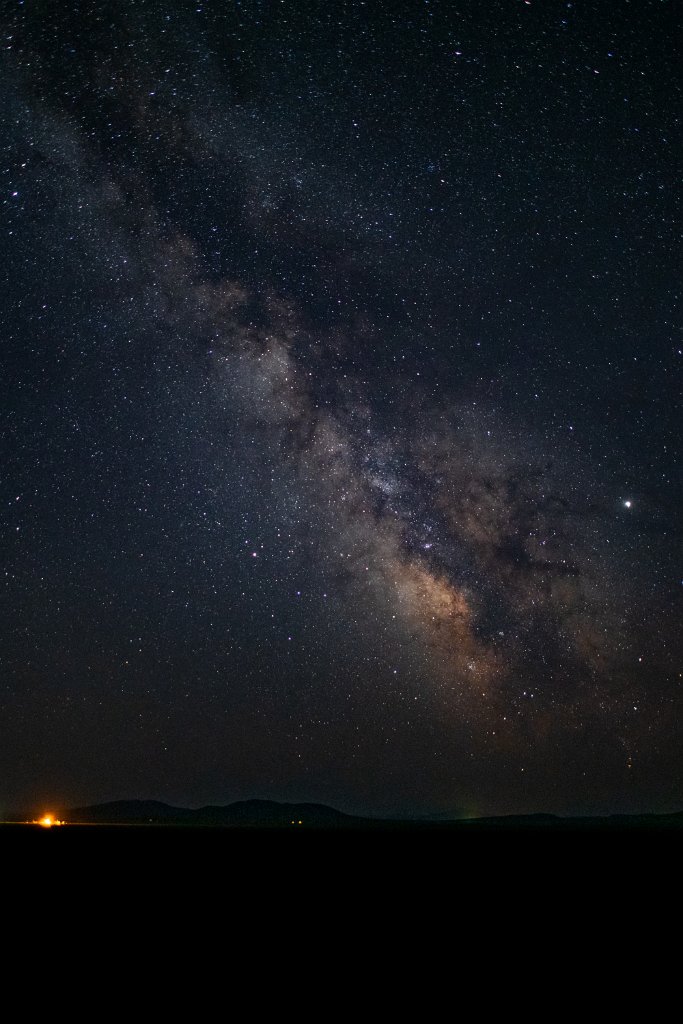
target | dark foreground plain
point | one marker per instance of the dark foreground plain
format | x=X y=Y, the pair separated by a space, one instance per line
x=259 y=861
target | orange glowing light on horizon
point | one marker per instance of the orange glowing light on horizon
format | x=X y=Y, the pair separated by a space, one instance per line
x=48 y=820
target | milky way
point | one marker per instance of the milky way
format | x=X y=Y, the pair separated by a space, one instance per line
x=340 y=407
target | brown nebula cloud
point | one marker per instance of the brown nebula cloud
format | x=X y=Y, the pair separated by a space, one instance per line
x=463 y=665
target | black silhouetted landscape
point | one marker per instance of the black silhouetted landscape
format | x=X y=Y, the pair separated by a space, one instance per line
x=268 y=815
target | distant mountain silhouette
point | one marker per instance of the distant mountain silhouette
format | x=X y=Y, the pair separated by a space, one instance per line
x=244 y=813
x=271 y=814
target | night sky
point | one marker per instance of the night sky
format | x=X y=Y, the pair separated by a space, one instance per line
x=341 y=404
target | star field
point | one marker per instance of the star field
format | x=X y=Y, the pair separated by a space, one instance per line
x=341 y=405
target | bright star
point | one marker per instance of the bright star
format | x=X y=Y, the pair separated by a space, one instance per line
x=627 y=503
